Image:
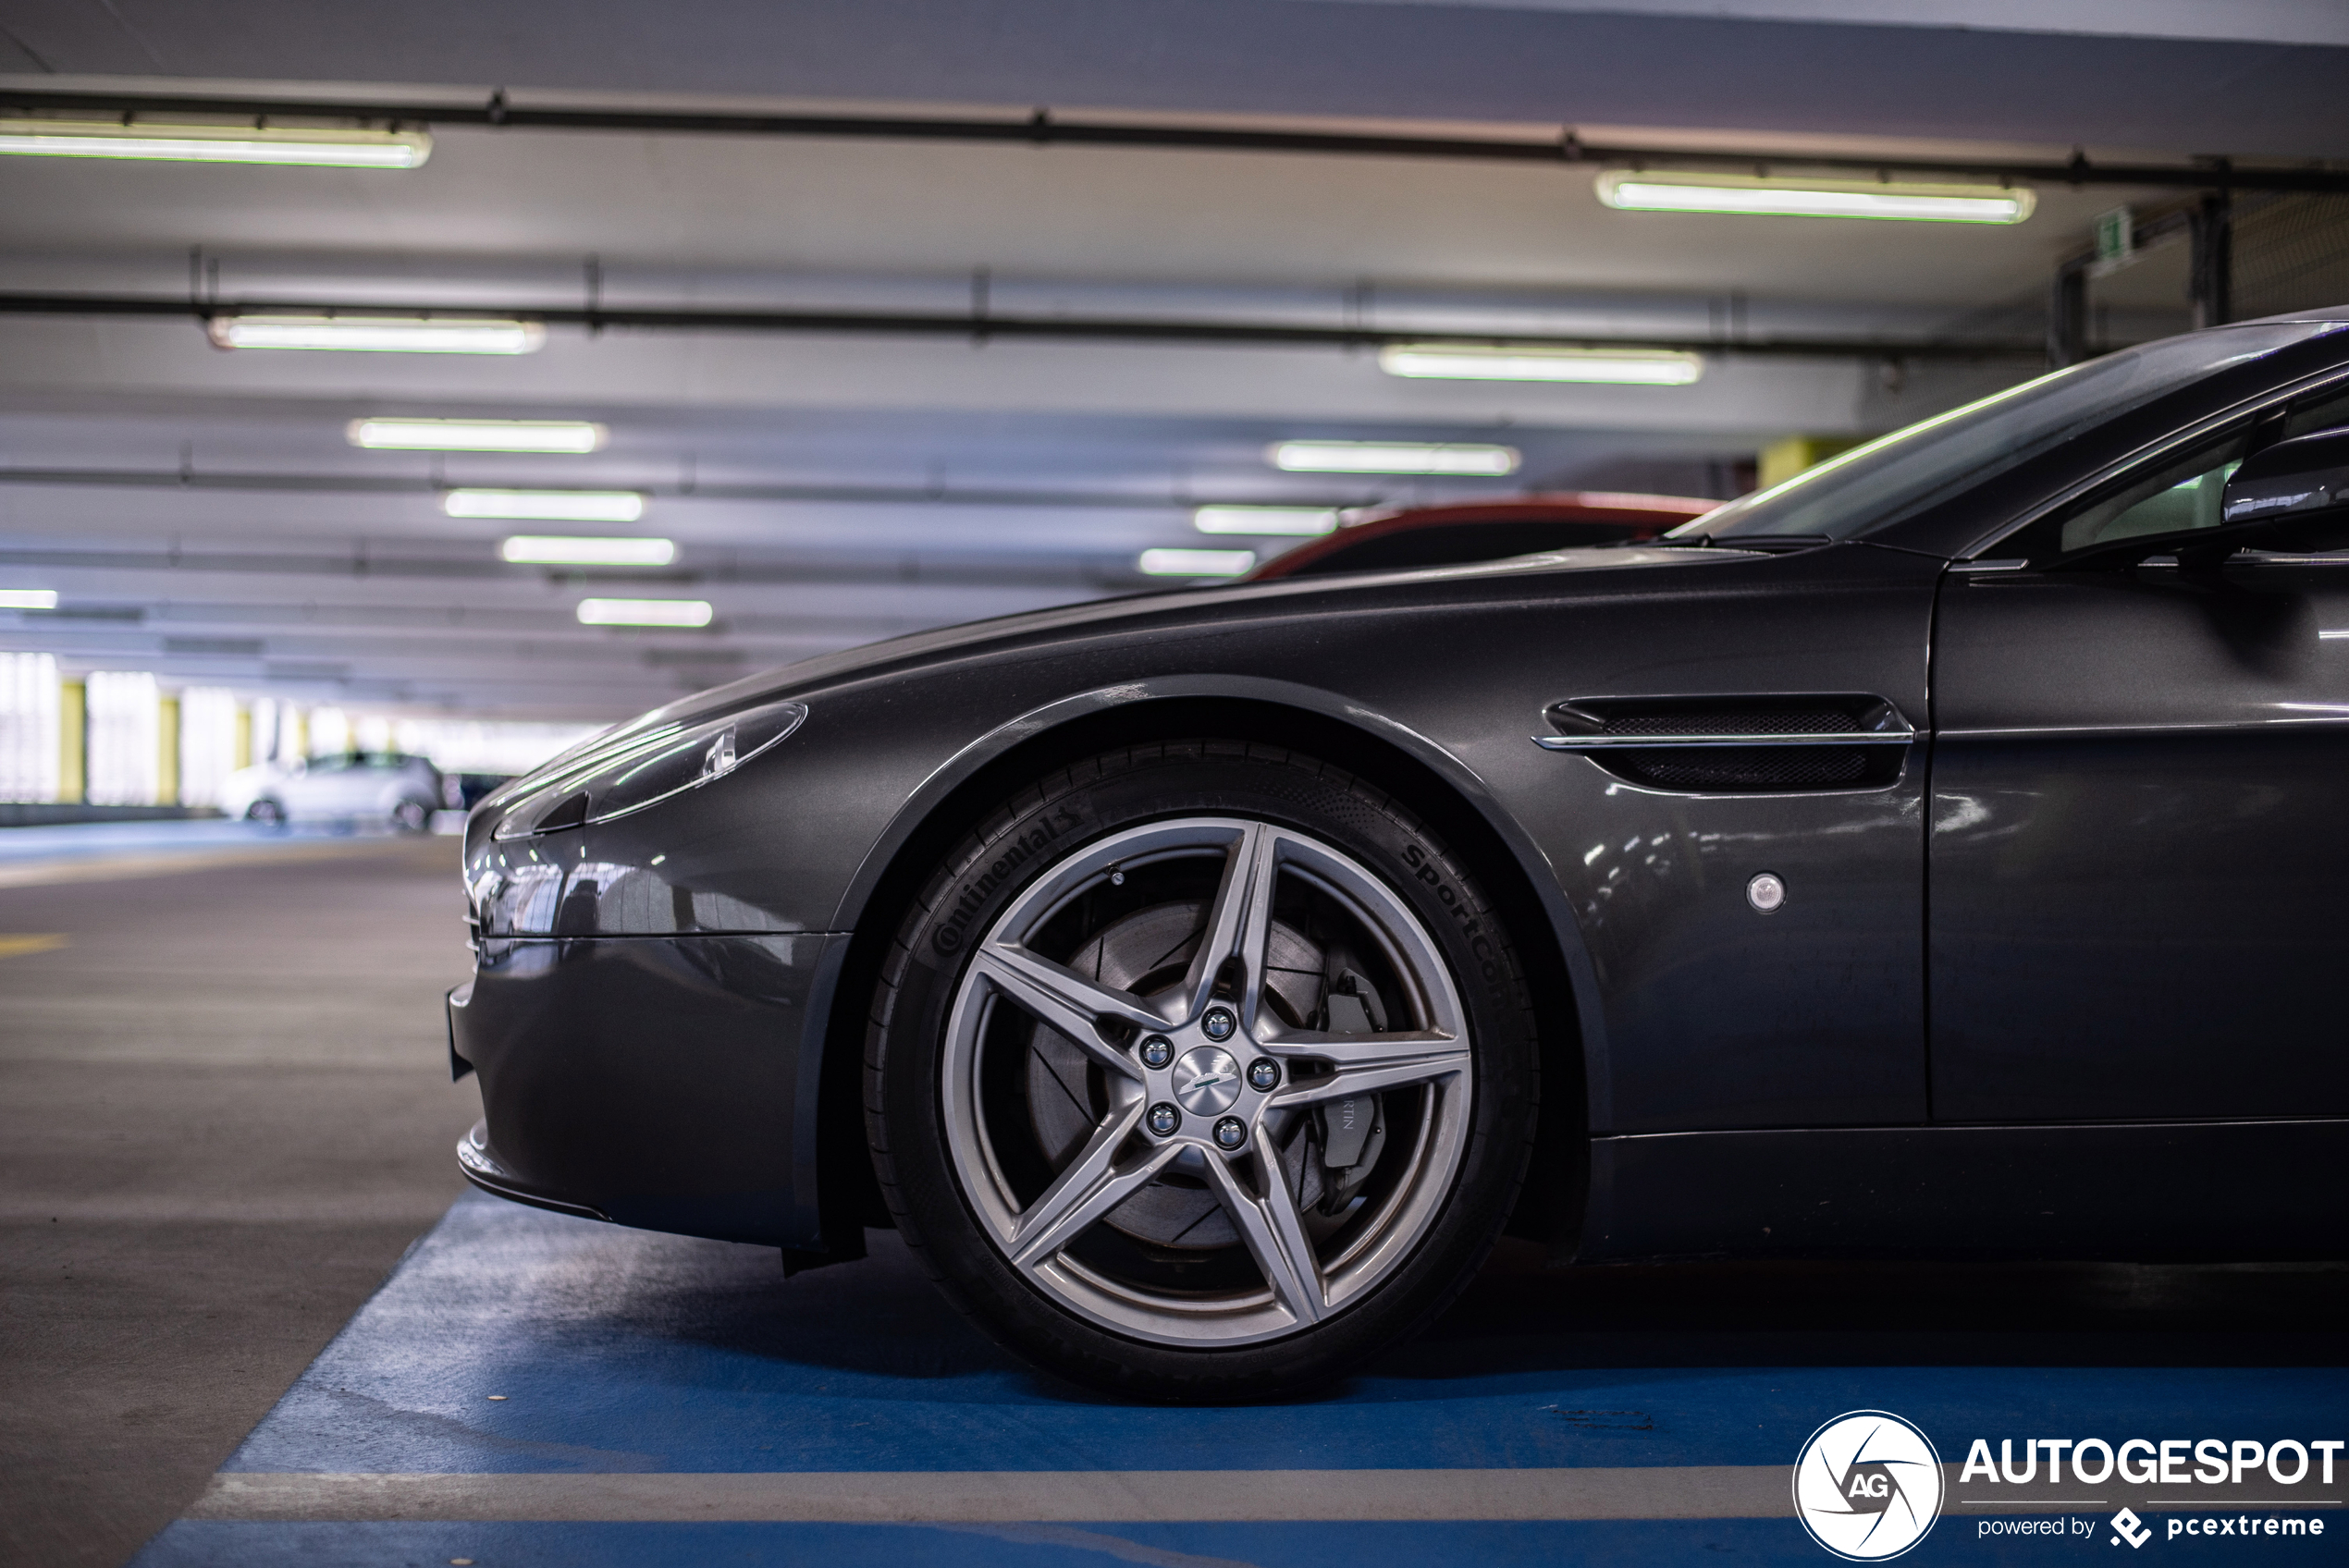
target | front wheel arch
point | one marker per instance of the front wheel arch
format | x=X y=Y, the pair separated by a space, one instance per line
x=1550 y=1206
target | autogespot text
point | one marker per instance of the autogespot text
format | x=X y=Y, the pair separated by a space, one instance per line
x=2258 y=1475
x=2145 y=1462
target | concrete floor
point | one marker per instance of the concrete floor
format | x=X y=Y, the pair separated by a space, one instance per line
x=225 y=1112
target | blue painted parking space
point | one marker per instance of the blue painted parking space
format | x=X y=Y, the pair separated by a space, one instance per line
x=533 y=1388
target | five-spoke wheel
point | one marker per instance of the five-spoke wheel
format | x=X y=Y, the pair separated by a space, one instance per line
x=1202 y=1080
x=1229 y=1068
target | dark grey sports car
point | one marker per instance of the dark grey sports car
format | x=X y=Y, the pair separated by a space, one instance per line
x=1942 y=853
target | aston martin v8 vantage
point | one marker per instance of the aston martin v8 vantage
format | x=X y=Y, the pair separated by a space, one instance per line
x=1940 y=854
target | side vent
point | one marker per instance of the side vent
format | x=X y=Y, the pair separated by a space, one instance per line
x=1737 y=745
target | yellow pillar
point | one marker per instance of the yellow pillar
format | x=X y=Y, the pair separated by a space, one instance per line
x=1781 y=460
x=242 y=755
x=73 y=736
x=167 y=762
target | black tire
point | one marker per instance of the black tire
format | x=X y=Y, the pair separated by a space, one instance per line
x=267 y=812
x=411 y=816
x=1114 y=795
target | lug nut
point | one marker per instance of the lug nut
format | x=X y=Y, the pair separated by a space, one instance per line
x=1230 y=1132
x=1165 y=1119
x=1263 y=1074
x=1157 y=1051
x=1218 y=1024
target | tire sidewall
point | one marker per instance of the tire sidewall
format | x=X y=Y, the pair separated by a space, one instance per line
x=1043 y=828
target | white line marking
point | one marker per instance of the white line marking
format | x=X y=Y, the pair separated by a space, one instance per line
x=1013 y=1496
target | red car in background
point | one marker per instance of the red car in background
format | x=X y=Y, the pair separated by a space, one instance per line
x=1484 y=531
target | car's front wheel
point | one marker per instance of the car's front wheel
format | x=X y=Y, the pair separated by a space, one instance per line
x=411 y=816
x=1201 y=1072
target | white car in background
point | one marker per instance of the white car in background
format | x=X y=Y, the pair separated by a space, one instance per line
x=357 y=786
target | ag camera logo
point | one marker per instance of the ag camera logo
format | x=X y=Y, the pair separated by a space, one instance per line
x=1868 y=1486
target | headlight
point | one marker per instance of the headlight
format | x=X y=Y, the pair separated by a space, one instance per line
x=643 y=767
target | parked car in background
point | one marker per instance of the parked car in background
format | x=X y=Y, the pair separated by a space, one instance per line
x=1484 y=531
x=371 y=787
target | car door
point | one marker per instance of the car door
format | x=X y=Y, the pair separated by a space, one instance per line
x=328 y=787
x=2139 y=773
x=303 y=788
x=1746 y=879
x=374 y=786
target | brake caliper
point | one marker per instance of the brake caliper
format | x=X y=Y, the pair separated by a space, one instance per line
x=1352 y=1129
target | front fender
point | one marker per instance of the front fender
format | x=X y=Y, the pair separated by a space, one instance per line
x=1039 y=723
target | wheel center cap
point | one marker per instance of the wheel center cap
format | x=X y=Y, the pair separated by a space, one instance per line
x=1207 y=1080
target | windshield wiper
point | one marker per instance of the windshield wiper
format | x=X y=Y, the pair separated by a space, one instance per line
x=1764 y=544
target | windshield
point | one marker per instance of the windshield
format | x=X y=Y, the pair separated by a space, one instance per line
x=1898 y=475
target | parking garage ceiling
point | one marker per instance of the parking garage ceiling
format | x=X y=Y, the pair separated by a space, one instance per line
x=201 y=512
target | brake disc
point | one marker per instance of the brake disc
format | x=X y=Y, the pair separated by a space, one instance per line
x=1142 y=952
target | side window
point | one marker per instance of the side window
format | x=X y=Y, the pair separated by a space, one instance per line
x=2179 y=495
x=2182 y=493
x=2328 y=410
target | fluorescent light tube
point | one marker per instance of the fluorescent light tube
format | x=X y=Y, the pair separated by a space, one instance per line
x=1196 y=563
x=1395 y=457
x=1683 y=193
x=476 y=435
x=379 y=334
x=644 y=612
x=550 y=506
x=323 y=147
x=28 y=598
x=544 y=549
x=1304 y=520
x=1612 y=367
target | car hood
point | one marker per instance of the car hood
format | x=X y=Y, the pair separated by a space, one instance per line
x=1312 y=595
x=1141 y=611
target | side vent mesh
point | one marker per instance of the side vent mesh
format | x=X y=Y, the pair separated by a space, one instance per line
x=1739 y=769
x=1830 y=768
x=1731 y=721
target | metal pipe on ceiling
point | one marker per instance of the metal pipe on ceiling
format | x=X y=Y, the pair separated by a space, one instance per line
x=1043 y=128
x=1094 y=570
x=846 y=495
x=1096 y=329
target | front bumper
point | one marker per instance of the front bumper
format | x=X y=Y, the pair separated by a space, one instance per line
x=660 y=1082
x=482 y=1169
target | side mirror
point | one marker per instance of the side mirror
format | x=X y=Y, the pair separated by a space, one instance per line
x=2296 y=492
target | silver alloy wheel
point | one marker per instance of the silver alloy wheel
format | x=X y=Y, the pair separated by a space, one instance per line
x=1223 y=1020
